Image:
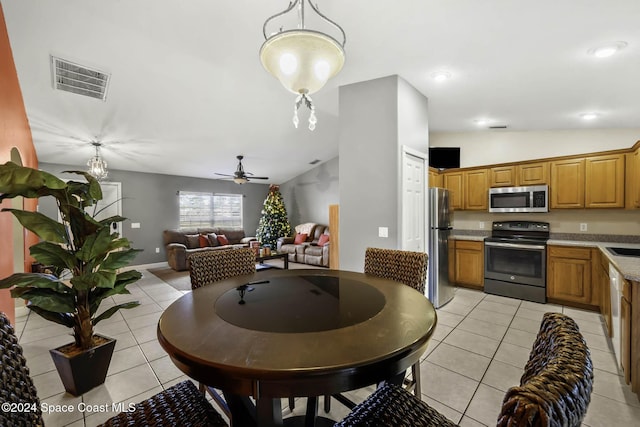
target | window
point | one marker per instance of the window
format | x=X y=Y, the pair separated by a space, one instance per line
x=210 y=210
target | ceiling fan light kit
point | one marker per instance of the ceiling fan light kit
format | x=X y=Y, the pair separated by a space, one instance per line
x=97 y=165
x=240 y=176
x=302 y=59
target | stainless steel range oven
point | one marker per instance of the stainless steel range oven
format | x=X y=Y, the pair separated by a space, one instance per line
x=515 y=260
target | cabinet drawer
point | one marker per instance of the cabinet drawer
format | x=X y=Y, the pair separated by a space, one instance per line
x=469 y=244
x=569 y=252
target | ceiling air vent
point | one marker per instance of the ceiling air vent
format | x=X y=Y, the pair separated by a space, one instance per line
x=75 y=78
x=498 y=127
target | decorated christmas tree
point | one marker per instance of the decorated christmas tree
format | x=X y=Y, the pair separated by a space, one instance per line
x=273 y=222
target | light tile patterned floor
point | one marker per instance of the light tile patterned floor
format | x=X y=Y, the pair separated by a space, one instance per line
x=477 y=352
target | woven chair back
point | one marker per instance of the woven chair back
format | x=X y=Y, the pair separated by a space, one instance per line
x=16 y=386
x=212 y=266
x=555 y=388
x=406 y=267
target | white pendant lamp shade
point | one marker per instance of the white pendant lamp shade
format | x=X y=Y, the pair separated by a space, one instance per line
x=303 y=60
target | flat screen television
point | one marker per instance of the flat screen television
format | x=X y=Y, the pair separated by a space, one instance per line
x=444 y=157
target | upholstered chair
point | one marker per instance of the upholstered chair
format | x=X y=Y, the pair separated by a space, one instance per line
x=212 y=266
x=554 y=390
x=179 y=405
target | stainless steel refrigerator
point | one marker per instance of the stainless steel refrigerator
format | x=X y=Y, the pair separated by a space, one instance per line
x=439 y=290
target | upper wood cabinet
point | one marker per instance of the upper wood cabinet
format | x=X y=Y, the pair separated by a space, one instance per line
x=604 y=181
x=453 y=182
x=632 y=188
x=533 y=173
x=468 y=189
x=567 y=184
x=502 y=176
x=476 y=190
x=435 y=179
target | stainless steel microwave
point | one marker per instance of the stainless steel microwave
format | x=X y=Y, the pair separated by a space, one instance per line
x=533 y=198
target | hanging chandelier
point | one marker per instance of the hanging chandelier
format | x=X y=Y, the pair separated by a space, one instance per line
x=97 y=165
x=302 y=59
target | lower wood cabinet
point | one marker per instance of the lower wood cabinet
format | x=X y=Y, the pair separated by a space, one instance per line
x=569 y=274
x=469 y=263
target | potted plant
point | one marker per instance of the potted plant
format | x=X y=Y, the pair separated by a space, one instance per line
x=84 y=258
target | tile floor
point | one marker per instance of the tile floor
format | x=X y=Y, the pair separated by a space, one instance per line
x=478 y=350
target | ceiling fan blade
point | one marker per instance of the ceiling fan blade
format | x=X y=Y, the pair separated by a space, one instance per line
x=258 y=177
x=223 y=174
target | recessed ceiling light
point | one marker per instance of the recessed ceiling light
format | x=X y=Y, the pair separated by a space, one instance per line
x=441 y=76
x=482 y=122
x=607 y=50
x=589 y=116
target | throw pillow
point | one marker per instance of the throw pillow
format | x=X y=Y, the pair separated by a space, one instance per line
x=213 y=239
x=193 y=241
x=323 y=240
x=222 y=239
x=300 y=239
x=204 y=241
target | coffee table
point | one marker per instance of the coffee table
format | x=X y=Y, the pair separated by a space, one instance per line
x=274 y=255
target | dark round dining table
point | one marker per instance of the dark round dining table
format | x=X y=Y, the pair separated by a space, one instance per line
x=293 y=333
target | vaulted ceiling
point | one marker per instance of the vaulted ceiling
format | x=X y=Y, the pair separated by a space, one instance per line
x=188 y=93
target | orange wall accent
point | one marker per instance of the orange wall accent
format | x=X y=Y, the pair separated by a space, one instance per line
x=14 y=133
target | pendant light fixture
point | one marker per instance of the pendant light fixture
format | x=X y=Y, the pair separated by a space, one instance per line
x=97 y=165
x=302 y=59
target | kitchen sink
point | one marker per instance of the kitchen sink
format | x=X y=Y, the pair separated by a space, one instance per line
x=625 y=251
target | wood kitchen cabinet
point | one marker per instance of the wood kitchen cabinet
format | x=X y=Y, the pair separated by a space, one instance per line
x=476 y=190
x=569 y=274
x=453 y=181
x=632 y=175
x=435 y=178
x=634 y=332
x=503 y=176
x=533 y=173
x=567 y=184
x=604 y=181
x=469 y=263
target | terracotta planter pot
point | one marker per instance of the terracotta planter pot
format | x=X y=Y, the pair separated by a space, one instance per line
x=84 y=371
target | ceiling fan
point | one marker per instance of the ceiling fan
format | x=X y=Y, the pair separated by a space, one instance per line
x=240 y=176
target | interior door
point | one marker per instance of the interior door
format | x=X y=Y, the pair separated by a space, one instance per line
x=413 y=203
x=111 y=204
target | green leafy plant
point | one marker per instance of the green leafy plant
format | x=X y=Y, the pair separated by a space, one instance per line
x=82 y=252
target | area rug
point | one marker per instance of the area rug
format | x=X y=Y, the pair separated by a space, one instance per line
x=177 y=279
x=180 y=279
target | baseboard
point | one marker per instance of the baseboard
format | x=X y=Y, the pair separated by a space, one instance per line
x=146 y=266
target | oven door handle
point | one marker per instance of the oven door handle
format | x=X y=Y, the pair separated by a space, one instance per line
x=514 y=245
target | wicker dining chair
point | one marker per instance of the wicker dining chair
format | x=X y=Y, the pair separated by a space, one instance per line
x=180 y=405
x=554 y=390
x=16 y=386
x=212 y=266
x=208 y=267
x=405 y=267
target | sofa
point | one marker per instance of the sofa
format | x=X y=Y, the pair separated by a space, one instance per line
x=309 y=245
x=179 y=244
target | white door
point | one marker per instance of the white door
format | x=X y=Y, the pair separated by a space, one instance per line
x=413 y=203
x=110 y=205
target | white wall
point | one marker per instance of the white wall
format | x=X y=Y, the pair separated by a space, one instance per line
x=496 y=146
